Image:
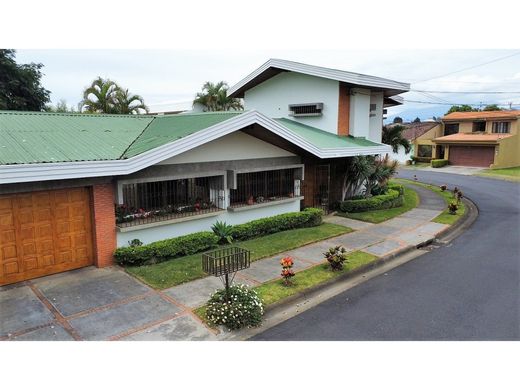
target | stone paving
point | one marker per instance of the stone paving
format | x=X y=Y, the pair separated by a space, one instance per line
x=108 y=304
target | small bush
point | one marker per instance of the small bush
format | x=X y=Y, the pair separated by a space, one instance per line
x=287 y=272
x=336 y=256
x=223 y=231
x=159 y=251
x=243 y=308
x=393 y=198
x=443 y=188
x=453 y=207
x=439 y=163
x=278 y=223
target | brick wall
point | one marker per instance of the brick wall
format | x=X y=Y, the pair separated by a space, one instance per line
x=104 y=223
x=343 y=109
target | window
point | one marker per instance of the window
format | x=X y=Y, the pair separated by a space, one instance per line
x=265 y=186
x=451 y=128
x=501 y=127
x=479 y=126
x=169 y=199
x=424 y=151
x=308 y=109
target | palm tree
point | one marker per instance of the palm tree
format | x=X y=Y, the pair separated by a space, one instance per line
x=393 y=136
x=127 y=103
x=100 y=97
x=214 y=98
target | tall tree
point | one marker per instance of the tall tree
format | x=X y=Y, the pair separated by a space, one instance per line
x=100 y=97
x=462 y=108
x=492 y=107
x=393 y=136
x=214 y=98
x=61 y=106
x=398 y=119
x=127 y=103
x=20 y=84
x=417 y=120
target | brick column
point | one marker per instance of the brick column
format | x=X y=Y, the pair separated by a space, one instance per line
x=104 y=224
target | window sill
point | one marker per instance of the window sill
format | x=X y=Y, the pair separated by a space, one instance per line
x=168 y=221
x=237 y=209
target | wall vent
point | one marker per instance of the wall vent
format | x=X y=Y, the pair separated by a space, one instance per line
x=306 y=109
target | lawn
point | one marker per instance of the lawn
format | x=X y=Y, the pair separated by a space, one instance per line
x=274 y=291
x=411 y=200
x=183 y=269
x=445 y=217
x=512 y=174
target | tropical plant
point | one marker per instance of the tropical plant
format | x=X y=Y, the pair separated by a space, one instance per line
x=213 y=97
x=443 y=187
x=127 y=103
x=239 y=307
x=20 y=84
x=287 y=273
x=100 y=97
x=336 y=256
x=382 y=171
x=453 y=207
x=357 y=170
x=393 y=136
x=223 y=231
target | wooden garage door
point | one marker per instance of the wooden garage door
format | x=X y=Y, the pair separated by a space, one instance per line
x=44 y=232
x=472 y=156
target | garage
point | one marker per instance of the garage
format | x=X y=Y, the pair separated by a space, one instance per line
x=473 y=156
x=44 y=232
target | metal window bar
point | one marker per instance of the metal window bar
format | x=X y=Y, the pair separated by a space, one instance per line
x=165 y=200
x=265 y=186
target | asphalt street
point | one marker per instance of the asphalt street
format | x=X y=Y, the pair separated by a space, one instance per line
x=467 y=290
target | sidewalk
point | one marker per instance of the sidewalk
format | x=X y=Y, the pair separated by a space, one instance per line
x=108 y=304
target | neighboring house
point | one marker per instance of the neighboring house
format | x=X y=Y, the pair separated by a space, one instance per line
x=73 y=187
x=483 y=139
x=419 y=134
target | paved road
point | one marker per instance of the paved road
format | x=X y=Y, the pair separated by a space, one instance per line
x=468 y=290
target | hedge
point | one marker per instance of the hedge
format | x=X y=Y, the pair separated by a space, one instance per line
x=171 y=248
x=393 y=198
x=439 y=163
x=163 y=250
x=264 y=226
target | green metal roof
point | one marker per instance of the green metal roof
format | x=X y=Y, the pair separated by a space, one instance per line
x=165 y=129
x=323 y=139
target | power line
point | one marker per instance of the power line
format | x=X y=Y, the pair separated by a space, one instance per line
x=465 y=92
x=461 y=104
x=471 y=67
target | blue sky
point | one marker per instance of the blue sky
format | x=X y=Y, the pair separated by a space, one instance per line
x=169 y=79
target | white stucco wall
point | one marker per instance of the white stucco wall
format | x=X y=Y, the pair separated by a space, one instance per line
x=401 y=156
x=376 y=121
x=236 y=146
x=360 y=112
x=156 y=233
x=273 y=97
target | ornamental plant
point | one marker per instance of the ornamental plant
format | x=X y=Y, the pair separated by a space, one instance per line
x=444 y=187
x=287 y=272
x=336 y=256
x=242 y=307
x=223 y=231
x=452 y=208
x=459 y=196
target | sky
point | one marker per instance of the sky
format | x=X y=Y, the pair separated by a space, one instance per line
x=169 y=79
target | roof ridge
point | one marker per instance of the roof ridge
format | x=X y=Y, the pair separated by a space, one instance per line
x=90 y=114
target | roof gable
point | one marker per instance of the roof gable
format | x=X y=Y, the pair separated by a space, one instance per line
x=274 y=66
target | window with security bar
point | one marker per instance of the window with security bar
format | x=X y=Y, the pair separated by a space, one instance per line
x=265 y=186
x=501 y=127
x=169 y=199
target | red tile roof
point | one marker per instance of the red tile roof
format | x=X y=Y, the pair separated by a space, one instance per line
x=514 y=114
x=415 y=130
x=470 y=137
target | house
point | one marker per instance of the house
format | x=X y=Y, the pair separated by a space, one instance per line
x=419 y=134
x=483 y=139
x=73 y=187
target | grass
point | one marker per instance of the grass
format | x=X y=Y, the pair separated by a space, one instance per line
x=415 y=166
x=445 y=217
x=411 y=200
x=274 y=291
x=184 y=269
x=512 y=174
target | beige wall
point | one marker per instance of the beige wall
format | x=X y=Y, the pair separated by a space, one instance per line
x=426 y=138
x=508 y=153
x=467 y=126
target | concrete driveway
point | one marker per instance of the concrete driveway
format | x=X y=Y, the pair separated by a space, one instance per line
x=94 y=304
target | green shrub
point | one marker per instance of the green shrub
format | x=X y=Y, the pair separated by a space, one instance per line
x=223 y=231
x=336 y=256
x=393 y=198
x=278 y=223
x=439 y=163
x=242 y=308
x=159 y=251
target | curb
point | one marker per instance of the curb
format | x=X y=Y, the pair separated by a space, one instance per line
x=445 y=236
